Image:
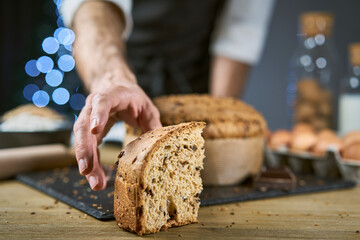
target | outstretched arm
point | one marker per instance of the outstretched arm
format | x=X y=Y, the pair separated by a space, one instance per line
x=238 y=41
x=99 y=53
x=228 y=77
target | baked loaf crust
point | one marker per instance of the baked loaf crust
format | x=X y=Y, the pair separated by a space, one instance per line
x=33 y=110
x=158 y=180
x=225 y=117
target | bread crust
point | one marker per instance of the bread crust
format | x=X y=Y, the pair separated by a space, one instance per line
x=225 y=117
x=32 y=110
x=129 y=181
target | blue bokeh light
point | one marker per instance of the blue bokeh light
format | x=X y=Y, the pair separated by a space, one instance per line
x=50 y=45
x=31 y=69
x=40 y=98
x=68 y=47
x=61 y=96
x=77 y=101
x=29 y=91
x=75 y=118
x=62 y=51
x=66 y=63
x=60 y=22
x=66 y=36
x=54 y=78
x=57 y=12
x=58 y=3
x=57 y=31
x=44 y=64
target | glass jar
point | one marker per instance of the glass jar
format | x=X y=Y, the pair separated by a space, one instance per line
x=311 y=81
x=349 y=99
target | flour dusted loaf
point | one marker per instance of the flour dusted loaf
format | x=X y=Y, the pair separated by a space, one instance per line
x=32 y=110
x=158 y=180
x=225 y=117
x=30 y=118
x=234 y=134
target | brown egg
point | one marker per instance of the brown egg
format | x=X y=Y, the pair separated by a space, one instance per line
x=350 y=138
x=303 y=141
x=323 y=144
x=327 y=134
x=279 y=138
x=352 y=151
x=302 y=127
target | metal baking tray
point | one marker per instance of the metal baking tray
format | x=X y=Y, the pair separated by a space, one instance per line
x=11 y=139
x=349 y=169
x=330 y=165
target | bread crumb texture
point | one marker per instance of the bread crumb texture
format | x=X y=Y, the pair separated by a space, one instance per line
x=158 y=182
x=224 y=117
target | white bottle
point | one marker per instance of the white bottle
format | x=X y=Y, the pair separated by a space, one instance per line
x=349 y=100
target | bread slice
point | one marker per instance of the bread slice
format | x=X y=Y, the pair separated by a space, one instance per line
x=158 y=180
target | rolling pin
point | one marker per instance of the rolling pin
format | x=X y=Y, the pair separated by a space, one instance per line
x=33 y=158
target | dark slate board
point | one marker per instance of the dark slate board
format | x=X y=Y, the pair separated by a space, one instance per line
x=68 y=186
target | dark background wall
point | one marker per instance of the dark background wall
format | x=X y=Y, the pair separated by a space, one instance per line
x=267 y=86
x=25 y=23
x=23 y=27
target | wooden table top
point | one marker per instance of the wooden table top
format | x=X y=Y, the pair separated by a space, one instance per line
x=26 y=213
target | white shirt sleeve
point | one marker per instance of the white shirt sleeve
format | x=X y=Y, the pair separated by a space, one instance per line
x=68 y=9
x=241 y=30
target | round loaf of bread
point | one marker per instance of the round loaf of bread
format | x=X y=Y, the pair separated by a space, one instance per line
x=32 y=110
x=234 y=134
x=224 y=117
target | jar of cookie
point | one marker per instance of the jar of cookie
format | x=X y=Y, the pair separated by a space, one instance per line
x=312 y=76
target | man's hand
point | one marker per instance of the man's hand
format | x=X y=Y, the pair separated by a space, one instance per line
x=99 y=51
x=103 y=108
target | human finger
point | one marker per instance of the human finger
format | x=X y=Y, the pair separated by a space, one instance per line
x=96 y=177
x=149 y=118
x=100 y=110
x=83 y=146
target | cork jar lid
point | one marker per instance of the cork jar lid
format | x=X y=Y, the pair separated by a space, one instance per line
x=313 y=23
x=354 y=53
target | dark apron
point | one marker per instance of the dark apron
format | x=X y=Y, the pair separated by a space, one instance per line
x=168 y=49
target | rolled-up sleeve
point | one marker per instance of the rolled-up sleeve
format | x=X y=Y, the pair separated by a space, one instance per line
x=241 y=30
x=68 y=9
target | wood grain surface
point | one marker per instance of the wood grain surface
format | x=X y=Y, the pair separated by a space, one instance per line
x=26 y=213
